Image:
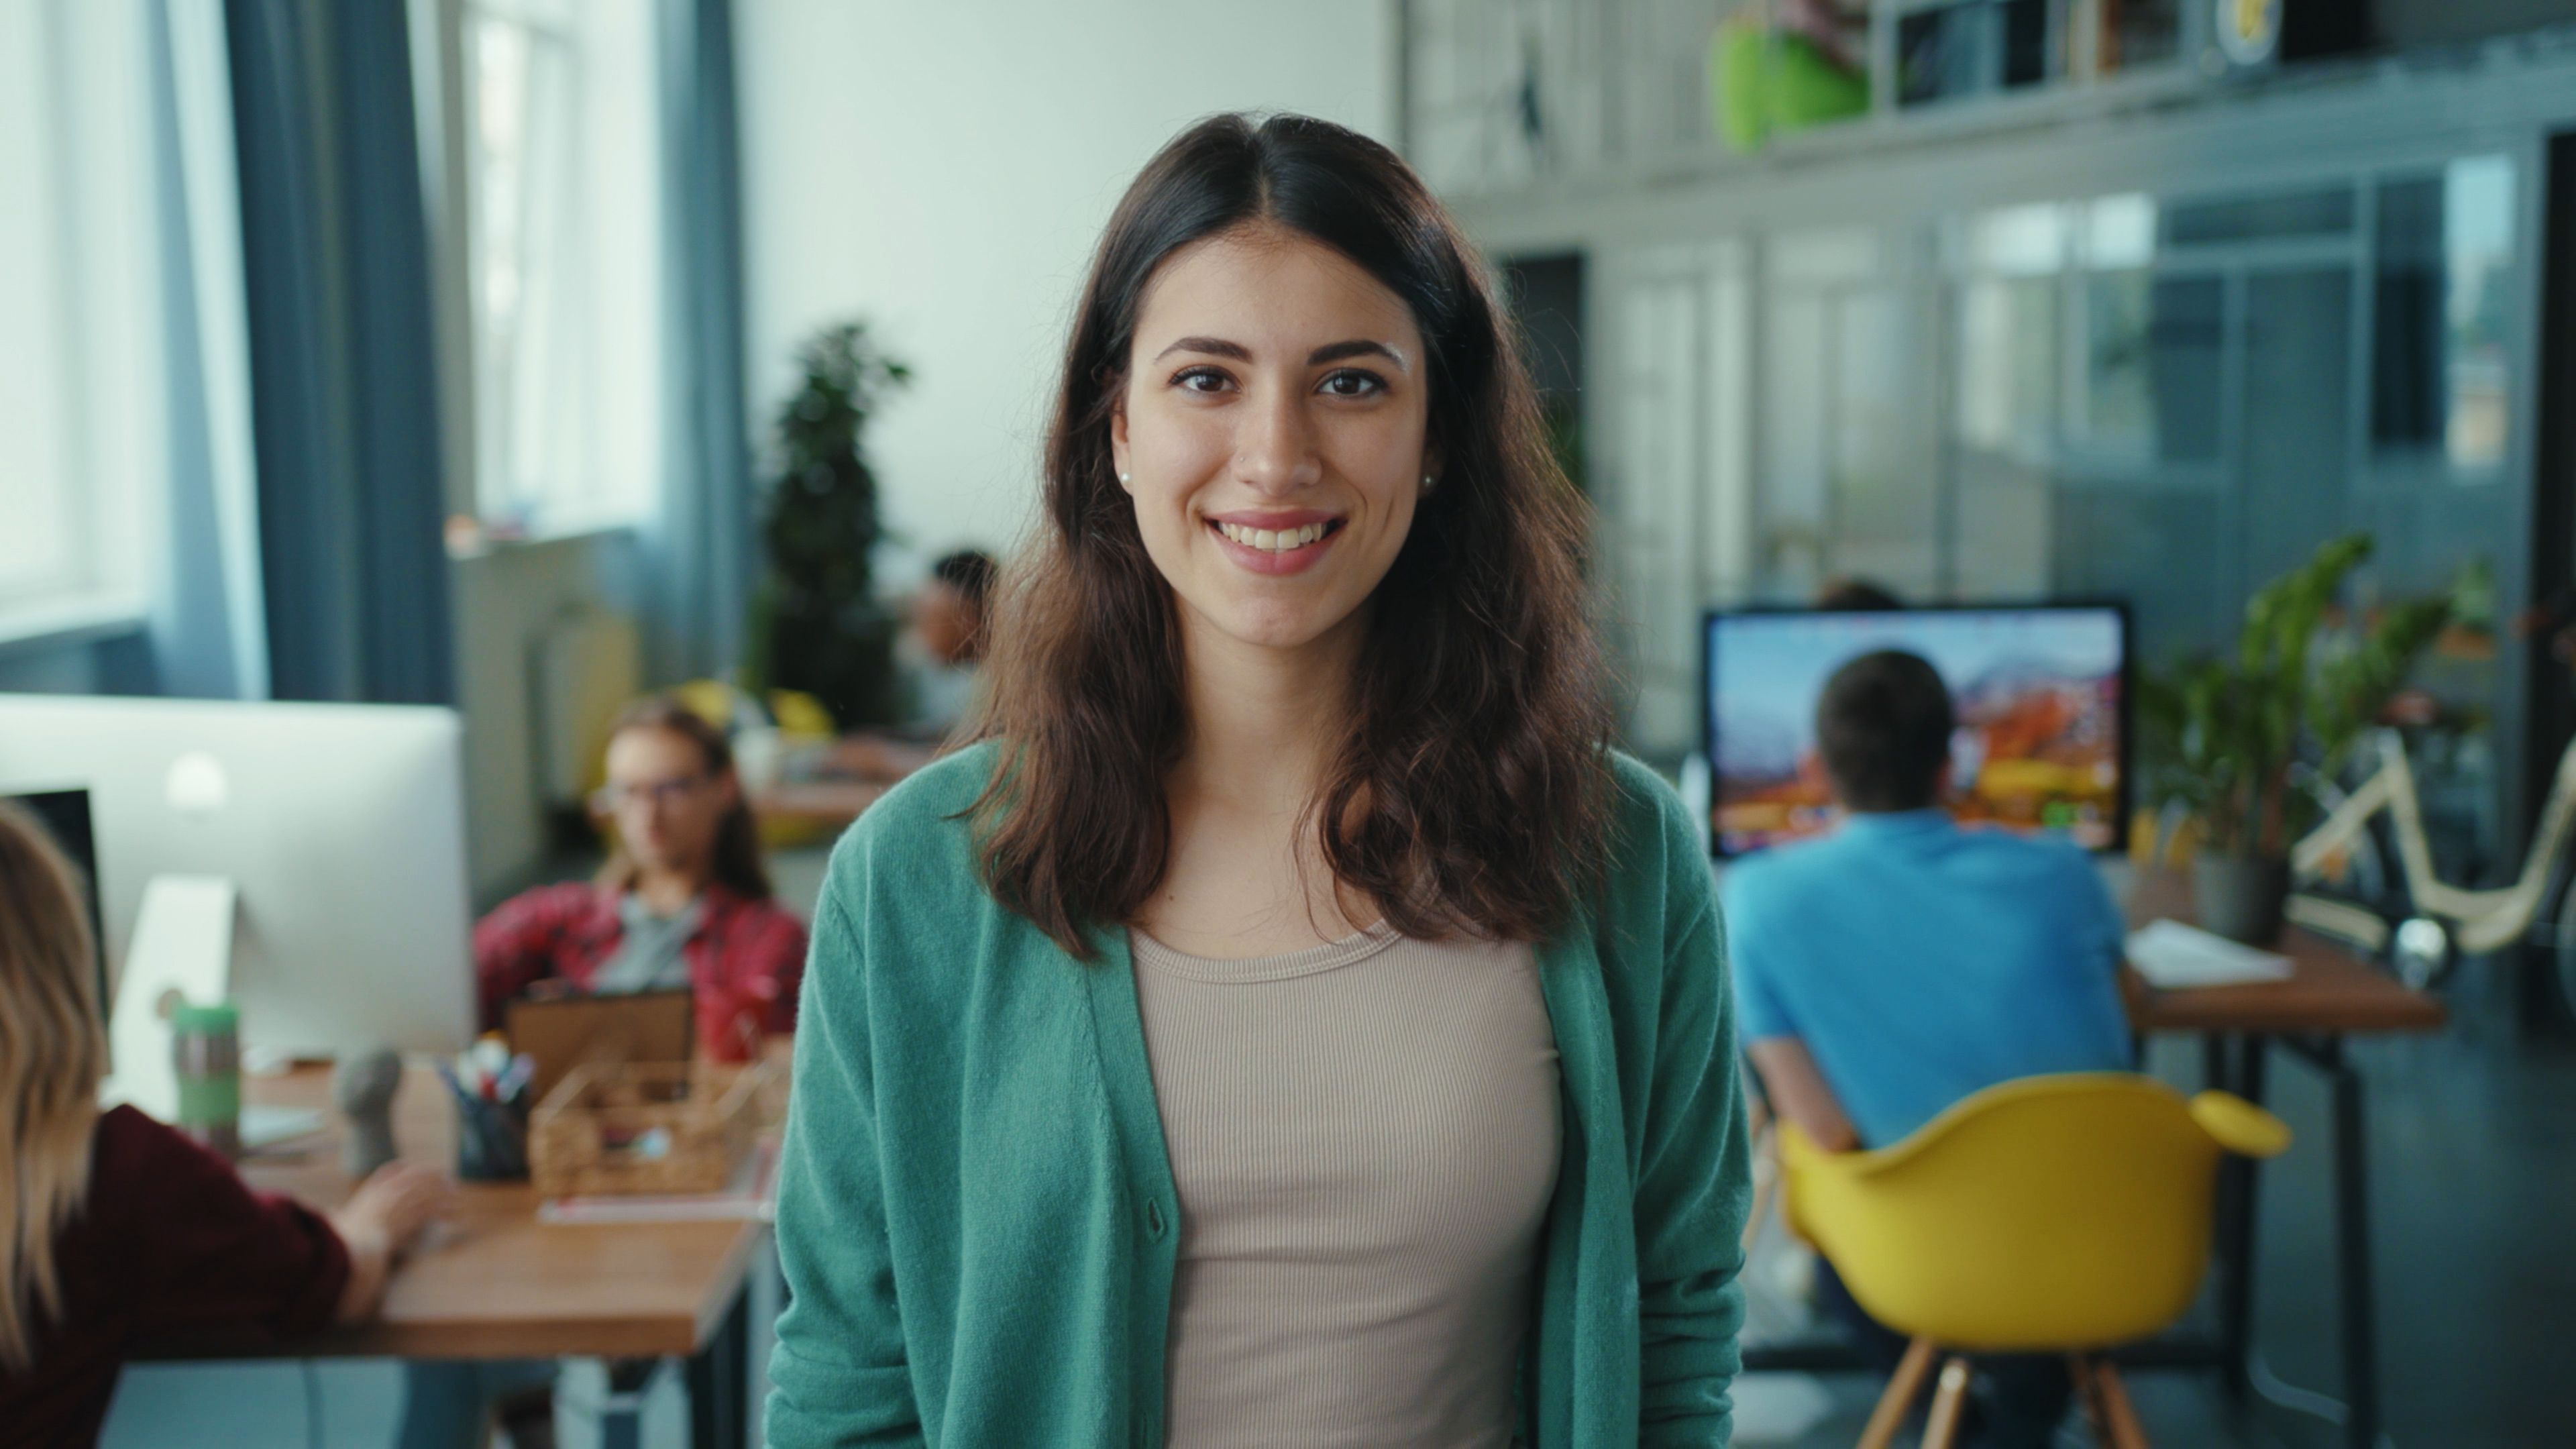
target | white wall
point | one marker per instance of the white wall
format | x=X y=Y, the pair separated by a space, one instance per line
x=505 y=601
x=944 y=170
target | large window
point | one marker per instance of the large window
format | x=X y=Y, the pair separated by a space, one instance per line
x=562 y=148
x=78 y=385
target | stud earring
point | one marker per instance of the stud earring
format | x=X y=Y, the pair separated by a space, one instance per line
x=1124 y=477
x=1429 y=482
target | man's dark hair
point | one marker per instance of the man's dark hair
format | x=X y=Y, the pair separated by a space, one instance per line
x=1883 y=725
x=970 y=572
x=1857 y=596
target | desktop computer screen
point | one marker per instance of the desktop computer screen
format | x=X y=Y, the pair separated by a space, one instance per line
x=2041 y=695
x=340 y=829
x=65 y=816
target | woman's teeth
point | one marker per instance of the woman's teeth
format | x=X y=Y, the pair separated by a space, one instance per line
x=1272 y=540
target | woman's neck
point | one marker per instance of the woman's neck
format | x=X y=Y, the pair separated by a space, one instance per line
x=666 y=890
x=1262 y=720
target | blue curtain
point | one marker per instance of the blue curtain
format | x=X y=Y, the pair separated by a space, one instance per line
x=699 y=551
x=343 y=368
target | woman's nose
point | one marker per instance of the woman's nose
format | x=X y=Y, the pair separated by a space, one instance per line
x=1276 y=451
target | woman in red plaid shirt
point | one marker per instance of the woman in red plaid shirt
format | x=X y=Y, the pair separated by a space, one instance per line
x=684 y=900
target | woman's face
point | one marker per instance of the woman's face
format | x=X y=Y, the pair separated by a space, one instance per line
x=666 y=802
x=1272 y=433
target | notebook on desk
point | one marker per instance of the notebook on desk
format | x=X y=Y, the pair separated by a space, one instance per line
x=2172 y=956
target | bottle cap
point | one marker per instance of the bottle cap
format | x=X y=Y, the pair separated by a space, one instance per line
x=218 y=1019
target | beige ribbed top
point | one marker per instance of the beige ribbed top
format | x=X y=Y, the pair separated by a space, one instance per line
x=1364 y=1136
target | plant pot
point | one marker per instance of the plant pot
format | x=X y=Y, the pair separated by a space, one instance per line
x=2241 y=896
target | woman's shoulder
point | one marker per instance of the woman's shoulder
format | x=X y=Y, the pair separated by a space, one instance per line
x=1658 y=883
x=140 y=1168
x=1651 y=826
x=919 y=828
x=555 y=902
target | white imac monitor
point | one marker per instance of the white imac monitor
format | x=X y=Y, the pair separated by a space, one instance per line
x=338 y=828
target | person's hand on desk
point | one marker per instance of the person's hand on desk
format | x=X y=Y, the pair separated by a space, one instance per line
x=379 y=1223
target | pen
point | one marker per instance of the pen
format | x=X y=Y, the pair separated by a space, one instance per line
x=514 y=1079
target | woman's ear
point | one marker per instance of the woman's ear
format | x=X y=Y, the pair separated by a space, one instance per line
x=1118 y=440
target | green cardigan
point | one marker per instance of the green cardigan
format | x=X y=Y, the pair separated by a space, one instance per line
x=977 y=1219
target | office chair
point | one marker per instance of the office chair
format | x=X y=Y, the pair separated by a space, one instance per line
x=2060 y=1214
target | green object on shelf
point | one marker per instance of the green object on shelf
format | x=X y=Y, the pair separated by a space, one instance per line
x=1762 y=82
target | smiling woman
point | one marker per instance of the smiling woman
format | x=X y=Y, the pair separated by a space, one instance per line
x=1284 y=332
x=1291 y=1021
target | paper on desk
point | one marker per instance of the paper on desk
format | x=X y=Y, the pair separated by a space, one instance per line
x=2170 y=954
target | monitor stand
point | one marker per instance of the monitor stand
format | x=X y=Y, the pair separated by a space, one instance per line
x=183 y=947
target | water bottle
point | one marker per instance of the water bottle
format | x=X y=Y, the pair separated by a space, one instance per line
x=205 y=1048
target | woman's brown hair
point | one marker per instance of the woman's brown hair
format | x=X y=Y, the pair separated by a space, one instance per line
x=736 y=864
x=1469 y=790
x=52 y=1053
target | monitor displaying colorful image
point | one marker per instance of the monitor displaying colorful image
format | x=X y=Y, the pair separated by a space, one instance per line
x=2041 y=696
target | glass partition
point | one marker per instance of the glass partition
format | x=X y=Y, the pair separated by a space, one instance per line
x=2171 y=400
x=2444 y=254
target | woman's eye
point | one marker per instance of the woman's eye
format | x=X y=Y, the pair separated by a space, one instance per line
x=1200 y=379
x=1353 y=384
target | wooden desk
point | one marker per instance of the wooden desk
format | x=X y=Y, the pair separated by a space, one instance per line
x=491 y=1282
x=2330 y=989
x=2331 y=993
x=831 y=803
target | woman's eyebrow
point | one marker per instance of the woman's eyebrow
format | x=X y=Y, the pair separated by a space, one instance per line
x=1356 y=347
x=1213 y=346
x=1329 y=352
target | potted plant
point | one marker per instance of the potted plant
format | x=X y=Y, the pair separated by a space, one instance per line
x=2241 y=740
x=818 y=625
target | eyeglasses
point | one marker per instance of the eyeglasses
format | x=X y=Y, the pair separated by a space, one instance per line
x=617 y=795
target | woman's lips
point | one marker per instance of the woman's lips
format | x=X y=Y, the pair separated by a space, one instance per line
x=1275 y=550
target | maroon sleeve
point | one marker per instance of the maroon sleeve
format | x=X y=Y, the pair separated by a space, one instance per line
x=775 y=958
x=515 y=946
x=199 y=1247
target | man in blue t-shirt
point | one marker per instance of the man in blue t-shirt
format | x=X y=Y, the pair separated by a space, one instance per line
x=1887 y=970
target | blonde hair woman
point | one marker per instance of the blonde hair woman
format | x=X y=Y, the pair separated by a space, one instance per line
x=114 y=1228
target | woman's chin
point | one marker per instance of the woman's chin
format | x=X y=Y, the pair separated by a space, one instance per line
x=1276 y=624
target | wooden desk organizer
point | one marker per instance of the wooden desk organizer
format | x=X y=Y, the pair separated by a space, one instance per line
x=645 y=1127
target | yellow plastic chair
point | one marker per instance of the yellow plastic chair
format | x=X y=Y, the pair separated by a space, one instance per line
x=2059 y=1214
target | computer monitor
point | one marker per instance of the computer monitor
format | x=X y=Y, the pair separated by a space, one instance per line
x=340 y=827
x=65 y=816
x=2042 y=695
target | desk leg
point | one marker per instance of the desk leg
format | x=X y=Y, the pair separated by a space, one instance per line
x=2238 y=1224
x=718 y=1376
x=2352 y=1245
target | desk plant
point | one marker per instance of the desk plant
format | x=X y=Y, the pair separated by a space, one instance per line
x=819 y=626
x=2241 y=739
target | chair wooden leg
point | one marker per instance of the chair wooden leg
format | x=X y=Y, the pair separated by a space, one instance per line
x=1884 y=1421
x=2121 y=1418
x=1946 y=1405
x=2088 y=1392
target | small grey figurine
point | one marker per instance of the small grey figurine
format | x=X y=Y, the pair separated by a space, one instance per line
x=363 y=1088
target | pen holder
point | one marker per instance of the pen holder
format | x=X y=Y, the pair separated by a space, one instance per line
x=491 y=1140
